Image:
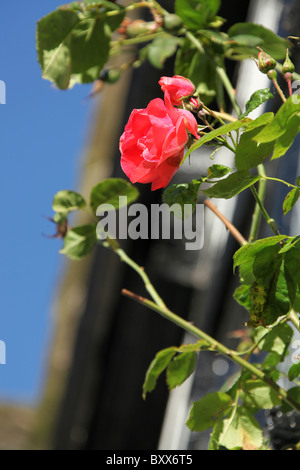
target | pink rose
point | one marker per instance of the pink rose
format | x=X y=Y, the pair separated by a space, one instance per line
x=152 y=145
x=178 y=87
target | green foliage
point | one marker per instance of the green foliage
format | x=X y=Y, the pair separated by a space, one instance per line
x=222 y=130
x=240 y=431
x=256 y=99
x=232 y=185
x=196 y=14
x=290 y=200
x=180 y=368
x=250 y=153
x=280 y=124
x=79 y=241
x=294 y=371
x=205 y=412
x=67 y=201
x=183 y=194
x=159 y=50
x=108 y=192
x=247 y=36
x=198 y=67
x=179 y=363
x=73 y=45
x=217 y=171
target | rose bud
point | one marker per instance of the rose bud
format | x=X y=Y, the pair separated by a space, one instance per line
x=178 y=88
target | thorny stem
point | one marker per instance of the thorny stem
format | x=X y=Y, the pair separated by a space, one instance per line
x=280 y=181
x=214 y=344
x=221 y=72
x=280 y=92
x=232 y=229
x=115 y=246
x=269 y=220
x=256 y=217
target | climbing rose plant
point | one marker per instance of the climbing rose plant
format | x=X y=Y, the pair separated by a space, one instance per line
x=77 y=43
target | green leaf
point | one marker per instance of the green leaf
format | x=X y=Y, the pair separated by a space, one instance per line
x=232 y=185
x=258 y=394
x=159 y=50
x=87 y=4
x=222 y=130
x=247 y=36
x=265 y=292
x=256 y=99
x=290 y=200
x=250 y=153
x=291 y=241
x=66 y=201
x=292 y=270
x=157 y=366
x=218 y=171
x=205 y=412
x=294 y=372
x=285 y=141
x=73 y=46
x=280 y=124
x=294 y=394
x=79 y=241
x=239 y=431
x=195 y=14
x=277 y=340
x=107 y=193
x=184 y=194
x=60 y=217
x=180 y=368
x=199 y=69
x=248 y=252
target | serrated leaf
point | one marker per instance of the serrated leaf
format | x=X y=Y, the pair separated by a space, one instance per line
x=291 y=241
x=250 y=153
x=292 y=271
x=112 y=194
x=239 y=431
x=157 y=366
x=205 y=412
x=180 y=368
x=249 y=251
x=218 y=171
x=195 y=14
x=222 y=130
x=199 y=69
x=232 y=185
x=73 y=47
x=290 y=200
x=160 y=49
x=258 y=394
x=184 y=194
x=294 y=372
x=247 y=36
x=66 y=201
x=294 y=394
x=256 y=99
x=279 y=125
x=79 y=241
x=277 y=340
x=285 y=141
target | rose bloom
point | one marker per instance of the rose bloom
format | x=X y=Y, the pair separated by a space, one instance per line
x=177 y=87
x=152 y=145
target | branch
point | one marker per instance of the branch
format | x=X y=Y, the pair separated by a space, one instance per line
x=214 y=344
x=232 y=229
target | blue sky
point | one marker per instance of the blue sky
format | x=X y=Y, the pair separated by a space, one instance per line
x=43 y=132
